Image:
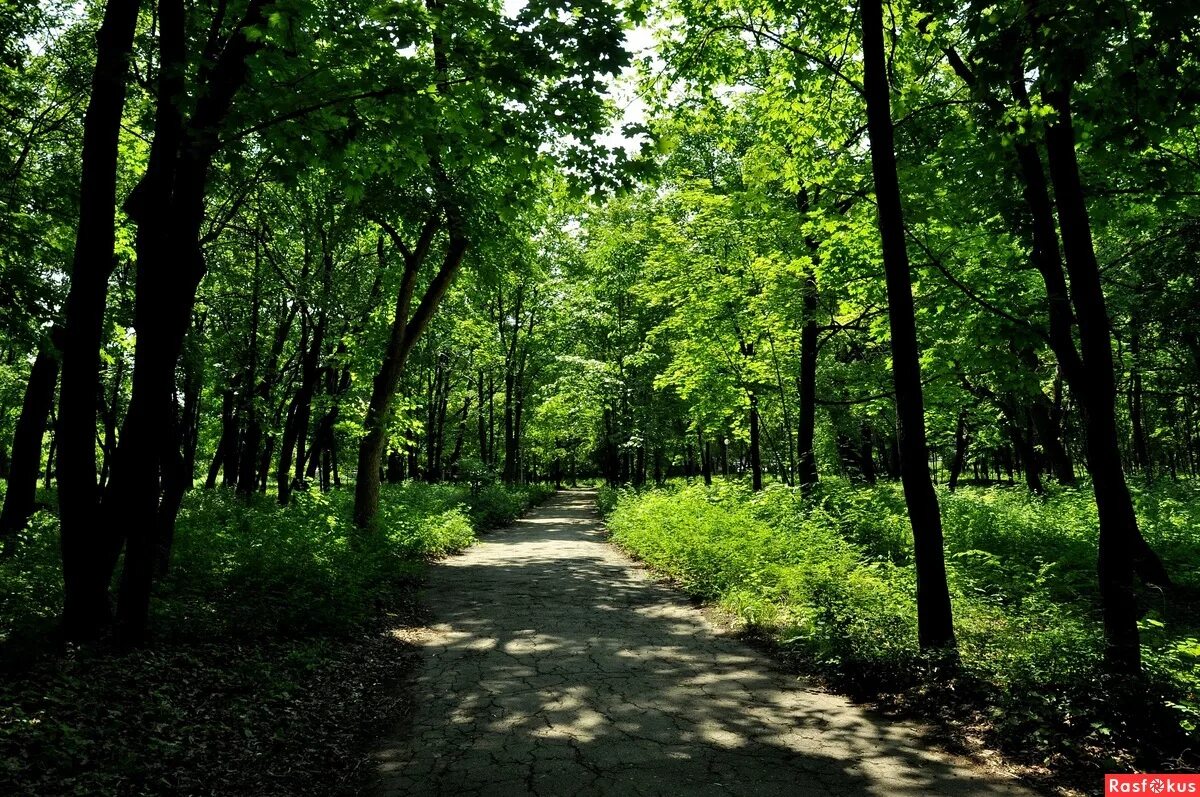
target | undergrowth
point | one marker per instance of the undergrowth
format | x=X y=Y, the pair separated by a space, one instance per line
x=271 y=656
x=831 y=581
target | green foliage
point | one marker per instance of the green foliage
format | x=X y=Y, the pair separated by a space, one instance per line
x=607 y=499
x=776 y=570
x=303 y=568
x=32 y=594
x=498 y=505
x=833 y=583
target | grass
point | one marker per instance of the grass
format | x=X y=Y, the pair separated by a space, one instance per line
x=831 y=581
x=275 y=652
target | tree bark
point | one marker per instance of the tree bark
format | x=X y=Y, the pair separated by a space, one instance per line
x=806 y=421
x=26 y=463
x=756 y=474
x=1120 y=539
x=960 y=451
x=168 y=207
x=404 y=335
x=252 y=400
x=300 y=413
x=935 y=627
x=1141 y=449
x=85 y=586
x=227 y=442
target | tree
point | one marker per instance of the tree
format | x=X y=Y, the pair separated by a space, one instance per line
x=935 y=625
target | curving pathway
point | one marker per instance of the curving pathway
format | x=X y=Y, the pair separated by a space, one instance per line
x=556 y=666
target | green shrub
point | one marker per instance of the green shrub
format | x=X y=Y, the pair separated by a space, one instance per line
x=606 y=499
x=775 y=570
x=32 y=593
x=497 y=505
x=832 y=580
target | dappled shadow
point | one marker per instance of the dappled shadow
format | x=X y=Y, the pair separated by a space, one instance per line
x=557 y=667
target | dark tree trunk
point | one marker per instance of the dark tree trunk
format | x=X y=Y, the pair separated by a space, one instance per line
x=414 y=469
x=756 y=475
x=509 y=473
x=705 y=458
x=961 y=441
x=53 y=447
x=190 y=421
x=295 y=432
x=491 y=441
x=511 y=342
x=110 y=414
x=482 y=422
x=264 y=464
x=935 y=627
x=1141 y=450
x=85 y=584
x=395 y=467
x=867 y=454
x=1049 y=433
x=252 y=404
x=1121 y=543
x=26 y=463
x=404 y=335
x=227 y=442
x=168 y=208
x=460 y=436
x=1022 y=440
x=806 y=421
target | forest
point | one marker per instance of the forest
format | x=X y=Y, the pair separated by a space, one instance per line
x=875 y=325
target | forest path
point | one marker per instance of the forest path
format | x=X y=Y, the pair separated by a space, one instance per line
x=557 y=666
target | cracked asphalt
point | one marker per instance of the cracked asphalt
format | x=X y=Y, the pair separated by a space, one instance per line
x=556 y=666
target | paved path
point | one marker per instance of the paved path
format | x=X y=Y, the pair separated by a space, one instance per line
x=556 y=666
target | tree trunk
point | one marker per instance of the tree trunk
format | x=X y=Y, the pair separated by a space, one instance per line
x=867 y=453
x=1141 y=450
x=1022 y=440
x=252 y=406
x=934 y=618
x=1120 y=539
x=395 y=467
x=168 y=207
x=85 y=585
x=227 y=440
x=960 y=451
x=756 y=475
x=26 y=463
x=806 y=422
x=50 y=452
x=110 y=415
x=296 y=431
x=482 y=421
x=460 y=436
x=405 y=333
x=1049 y=433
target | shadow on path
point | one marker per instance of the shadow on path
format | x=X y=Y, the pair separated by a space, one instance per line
x=557 y=667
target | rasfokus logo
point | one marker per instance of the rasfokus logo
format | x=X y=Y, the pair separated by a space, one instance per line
x=1152 y=784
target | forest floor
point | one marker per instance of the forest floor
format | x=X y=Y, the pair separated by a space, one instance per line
x=556 y=665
